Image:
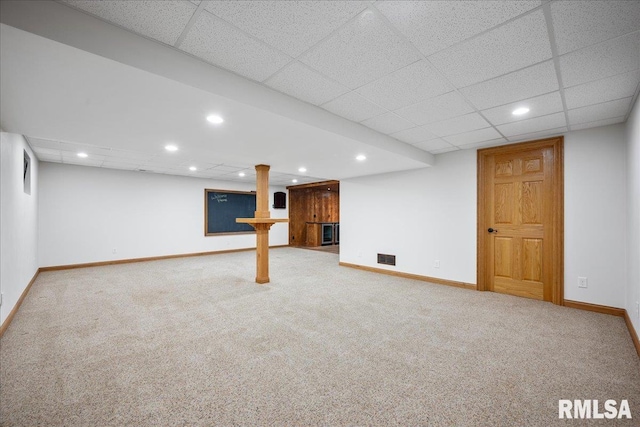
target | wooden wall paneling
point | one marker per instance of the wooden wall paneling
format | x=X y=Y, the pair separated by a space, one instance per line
x=297 y=208
x=312 y=203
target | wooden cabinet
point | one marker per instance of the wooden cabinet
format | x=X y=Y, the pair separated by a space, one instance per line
x=312 y=203
x=314 y=234
x=322 y=233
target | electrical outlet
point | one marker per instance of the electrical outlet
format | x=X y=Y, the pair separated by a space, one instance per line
x=582 y=282
x=114 y=251
x=436 y=263
x=1 y=297
x=638 y=310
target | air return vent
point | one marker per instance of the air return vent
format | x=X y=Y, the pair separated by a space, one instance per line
x=386 y=259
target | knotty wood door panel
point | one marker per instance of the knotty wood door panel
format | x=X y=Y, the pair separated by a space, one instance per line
x=520 y=200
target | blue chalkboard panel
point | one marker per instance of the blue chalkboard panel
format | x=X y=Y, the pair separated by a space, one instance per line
x=223 y=207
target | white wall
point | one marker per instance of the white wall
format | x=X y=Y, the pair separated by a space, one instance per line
x=595 y=215
x=86 y=212
x=633 y=216
x=420 y=216
x=430 y=214
x=18 y=221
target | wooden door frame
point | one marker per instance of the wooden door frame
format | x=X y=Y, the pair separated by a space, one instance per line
x=557 y=185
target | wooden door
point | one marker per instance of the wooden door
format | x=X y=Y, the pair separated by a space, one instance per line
x=520 y=220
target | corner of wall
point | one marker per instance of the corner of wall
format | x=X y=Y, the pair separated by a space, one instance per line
x=18 y=222
x=632 y=297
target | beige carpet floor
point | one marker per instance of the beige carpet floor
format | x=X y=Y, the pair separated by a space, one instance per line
x=194 y=341
x=334 y=249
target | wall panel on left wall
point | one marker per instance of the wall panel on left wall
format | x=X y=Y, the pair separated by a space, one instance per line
x=18 y=220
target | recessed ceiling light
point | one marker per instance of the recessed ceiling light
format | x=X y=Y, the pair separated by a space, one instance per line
x=215 y=119
x=294 y=180
x=302 y=169
x=171 y=148
x=361 y=157
x=193 y=168
x=520 y=111
x=83 y=155
x=241 y=174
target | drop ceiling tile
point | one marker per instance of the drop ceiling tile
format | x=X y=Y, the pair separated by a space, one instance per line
x=516 y=45
x=129 y=155
x=475 y=136
x=160 y=20
x=212 y=171
x=202 y=166
x=209 y=174
x=538 y=106
x=166 y=159
x=236 y=177
x=228 y=169
x=536 y=124
x=221 y=44
x=153 y=169
x=305 y=180
x=597 y=123
x=291 y=26
x=434 y=144
x=409 y=85
x=53 y=158
x=70 y=157
x=120 y=160
x=435 y=109
x=523 y=84
x=44 y=143
x=353 y=107
x=362 y=51
x=606 y=59
x=303 y=83
x=388 y=123
x=119 y=165
x=457 y=125
x=70 y=147
x=41 y=151
x=434 y=25
x=607 y=89
x=484 y=144
x=605 y=110
x=75 y=160
x=444 y=150
x=541 y=134
x=181 y=172
x=414 y=135
x=184 y=169
x=579 y=24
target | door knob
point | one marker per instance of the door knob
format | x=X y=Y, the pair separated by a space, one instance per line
x=491 y=230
